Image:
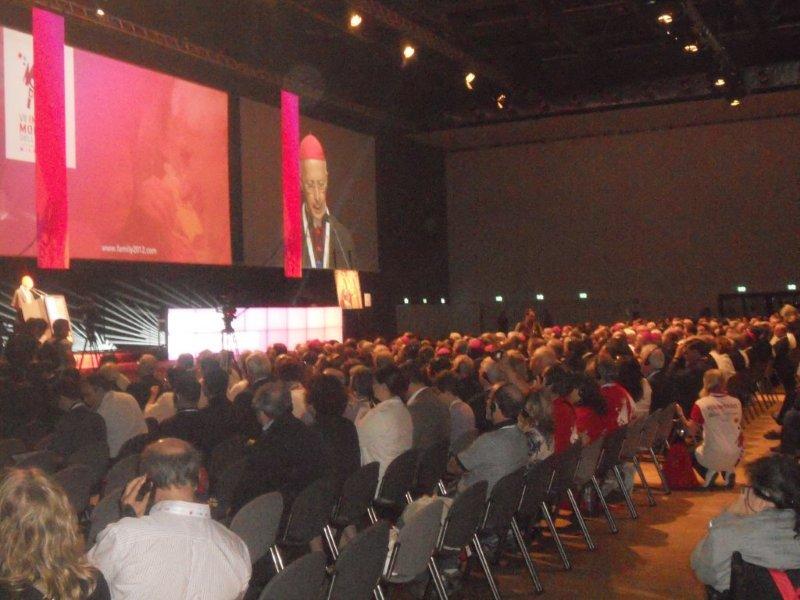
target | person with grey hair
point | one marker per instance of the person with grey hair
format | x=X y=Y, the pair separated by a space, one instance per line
x=287 y=456
x=142 y=388
x=258 y=371
x=167 y=545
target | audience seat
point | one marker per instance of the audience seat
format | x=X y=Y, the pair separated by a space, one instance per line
x=302 y=580
x=751 y=582
x=358 y=568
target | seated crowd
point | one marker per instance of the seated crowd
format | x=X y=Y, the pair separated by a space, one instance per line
x=498 y=401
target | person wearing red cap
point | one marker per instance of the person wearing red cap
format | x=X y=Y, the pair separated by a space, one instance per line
x=327 y=244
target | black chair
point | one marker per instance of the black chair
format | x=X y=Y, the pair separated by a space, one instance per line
x=122 y=472
x=666 y=423
x=611 y=463
x=225 y=454
x=500 y=516
x=257 y=523
x=394 y=491
x=565 y=466
x=751 y=582
x=301 y=580
x=77 y=481
x=358 y=568
x=629 y=453
x=432 y=468
x=307 y=520
x=222 y=494
x=135 y=445
x=354 y=502
x=585 y=475
x=8 y=448
x=535 y=501
x=106 y=512
x=95 y=456
x=461 y=525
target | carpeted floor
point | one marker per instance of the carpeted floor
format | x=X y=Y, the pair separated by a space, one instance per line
x=648 y=558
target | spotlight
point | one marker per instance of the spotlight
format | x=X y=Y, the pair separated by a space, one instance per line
x=665 y=18
x=406 y=301
x=720 y=82
x=501 y=100
x=100 y=12
x=408 y=52
x=735 y=102
x=442 y=300
x=741 y=289
x=355 y=20
x=583 y=296
x=792 y=287
x=691 y=48
x=469 y=80
x=498 y=298
x=540 y=296
x=424 y=300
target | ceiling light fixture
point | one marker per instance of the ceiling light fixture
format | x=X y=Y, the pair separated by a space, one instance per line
x=665 y=18
x=691 y=48
x=735 y=102
x=469 y=80
x=409 y=51
x=719 y=82
x=501 y=100
x=100 y=12
x=355 y=20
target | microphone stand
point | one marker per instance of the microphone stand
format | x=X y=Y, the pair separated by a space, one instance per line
x=339 y=242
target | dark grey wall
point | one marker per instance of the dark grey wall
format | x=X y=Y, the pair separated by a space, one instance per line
x=657 y=221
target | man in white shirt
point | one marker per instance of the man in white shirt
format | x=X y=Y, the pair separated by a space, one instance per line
x=121 y=412
x=176 y=551
x=386 y=431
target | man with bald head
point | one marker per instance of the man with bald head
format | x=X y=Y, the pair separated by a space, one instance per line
x=327 y=244
x=167 y=545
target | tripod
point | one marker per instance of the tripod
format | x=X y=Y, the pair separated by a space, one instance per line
x=229 y=342
x=90 y=343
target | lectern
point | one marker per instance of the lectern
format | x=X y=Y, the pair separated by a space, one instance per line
x=47 y=307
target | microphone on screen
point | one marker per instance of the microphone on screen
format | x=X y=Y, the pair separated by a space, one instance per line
x=327 y=219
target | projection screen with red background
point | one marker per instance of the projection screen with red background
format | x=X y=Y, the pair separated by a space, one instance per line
x=147 y=161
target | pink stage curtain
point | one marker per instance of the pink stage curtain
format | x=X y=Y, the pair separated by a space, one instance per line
x=50 y=136
x=290 y=150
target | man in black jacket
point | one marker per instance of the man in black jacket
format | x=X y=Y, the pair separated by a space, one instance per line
x=187 y=423
x=79 y=426
x=287 y=456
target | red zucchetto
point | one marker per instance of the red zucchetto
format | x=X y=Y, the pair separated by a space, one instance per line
x=310 y=148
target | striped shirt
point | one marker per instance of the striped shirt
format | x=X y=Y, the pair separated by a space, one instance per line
x=176 y=552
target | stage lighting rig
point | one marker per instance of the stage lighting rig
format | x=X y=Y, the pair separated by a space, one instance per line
x=228 y=310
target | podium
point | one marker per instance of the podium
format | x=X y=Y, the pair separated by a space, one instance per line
x=47 y=307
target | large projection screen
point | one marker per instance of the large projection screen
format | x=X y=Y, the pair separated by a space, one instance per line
x=348 y=195
x=147 y=161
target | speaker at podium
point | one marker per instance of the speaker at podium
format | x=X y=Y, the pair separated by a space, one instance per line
x=48 y=307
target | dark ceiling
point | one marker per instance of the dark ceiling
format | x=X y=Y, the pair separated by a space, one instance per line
x=548 y=56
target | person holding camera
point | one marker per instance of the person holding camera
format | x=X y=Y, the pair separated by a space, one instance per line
x=168 y=546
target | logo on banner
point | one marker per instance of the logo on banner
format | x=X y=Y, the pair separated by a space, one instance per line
x=19 y=85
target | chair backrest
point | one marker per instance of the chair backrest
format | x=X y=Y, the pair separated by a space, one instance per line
x=77 y=481
x=589 y=461
x=504 y=501
x=94 y=456
x=650 y=430
x=106 y=512
x=360 y=564
x=416 y=542
x=432 y=466
x=538 y=480
x=225 y=454
x=463 y=441
x=225 y=486
x=8 y=448
x=135 y=445
x=399 y=477
x=122 y=471
x=357 y=494
x=257 y=523
x=612 y=447
x=632 y=442
x=310 y=512
x=566 y=465
x=751 y=582
x=464 y=516
x=665 y=424
x=301 y=580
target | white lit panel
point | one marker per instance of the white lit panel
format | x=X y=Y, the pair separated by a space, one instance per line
x=191 y=330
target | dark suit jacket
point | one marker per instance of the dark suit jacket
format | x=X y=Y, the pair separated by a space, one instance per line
x=342 y=251
x=185 y=425
x=287 y=457
x=77 y=428
x=340 y=446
